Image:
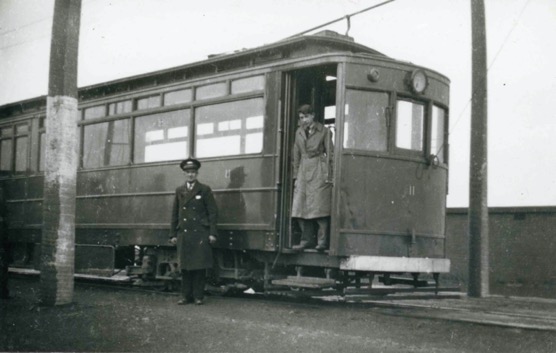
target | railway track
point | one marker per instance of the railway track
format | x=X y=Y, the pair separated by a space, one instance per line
x=447 y=304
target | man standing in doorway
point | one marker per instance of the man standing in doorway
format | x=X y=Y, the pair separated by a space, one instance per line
x=193 y=230
x=312 y=162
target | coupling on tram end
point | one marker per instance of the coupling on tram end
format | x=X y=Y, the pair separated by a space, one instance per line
x=238 y=114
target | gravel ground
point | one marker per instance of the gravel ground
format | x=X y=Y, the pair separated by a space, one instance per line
x=103 y=320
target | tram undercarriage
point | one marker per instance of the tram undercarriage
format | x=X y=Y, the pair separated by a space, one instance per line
x=312 y=272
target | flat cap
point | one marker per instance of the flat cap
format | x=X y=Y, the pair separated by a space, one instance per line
x=305 y=109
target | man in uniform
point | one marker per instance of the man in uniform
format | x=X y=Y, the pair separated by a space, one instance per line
x=312 y=162
x=193 y=230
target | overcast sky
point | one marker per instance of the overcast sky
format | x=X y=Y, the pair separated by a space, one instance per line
x=121 y=38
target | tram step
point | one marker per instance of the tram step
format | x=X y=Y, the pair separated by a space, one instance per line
x=133 y=270
x=396 y=290
x=305 y=282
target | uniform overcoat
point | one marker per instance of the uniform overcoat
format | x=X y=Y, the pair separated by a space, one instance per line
x=312 y=195
x=194 y=218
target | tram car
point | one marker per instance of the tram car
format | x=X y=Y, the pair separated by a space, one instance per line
x=237 y=114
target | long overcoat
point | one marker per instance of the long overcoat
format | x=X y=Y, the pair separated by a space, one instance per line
x=312 y=195
x=194 y=218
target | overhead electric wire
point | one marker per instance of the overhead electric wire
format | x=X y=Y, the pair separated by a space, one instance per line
x=25 y=25
x=342 y=18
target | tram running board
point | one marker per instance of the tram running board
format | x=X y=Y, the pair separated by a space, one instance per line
x=398 y=290
x=305 y=282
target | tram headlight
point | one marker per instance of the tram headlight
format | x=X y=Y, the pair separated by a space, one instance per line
x=373 y=75
x=418 y=81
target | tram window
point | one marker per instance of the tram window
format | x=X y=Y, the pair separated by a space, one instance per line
x=177 y=97
x=409 y=125
x=21 y=154
x=106 y=144
x=5 y=156
x=95 y=112
x=229 y=129
x=211 y=91
x=22 y=129
x=330 y=120
x=6 y=132
x=365 y=123
x=119 y=107
x=161 y=137
x=148 y=102
x=248 y=84
x=42 y=151
x=330 y=113
x=437 y=133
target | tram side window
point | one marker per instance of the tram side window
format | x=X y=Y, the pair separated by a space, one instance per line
x=161 y=137
x=5 y=157
x=409 y=125
x=365 y=123
x=229 y=129
x=148 y=102
x=248 y=84
x=98 y=111
x=438 y=133
x=211 y=91
x=21 y=154
x=6 y=134
x=106 y=144
x=120 y=107
x=178 y=97
x=21 y=147
x=42 y=151
x=14 y=148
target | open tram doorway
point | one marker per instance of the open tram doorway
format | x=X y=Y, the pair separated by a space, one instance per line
x=315 y=86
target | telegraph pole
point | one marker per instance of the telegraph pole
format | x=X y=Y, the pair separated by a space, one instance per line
x=478 y=202
x=58 y=233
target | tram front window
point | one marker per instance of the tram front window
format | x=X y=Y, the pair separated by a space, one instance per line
x=437 y=133
x=409 y=126
x=365 y=123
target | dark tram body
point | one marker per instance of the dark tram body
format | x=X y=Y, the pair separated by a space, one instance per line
x=236 y=113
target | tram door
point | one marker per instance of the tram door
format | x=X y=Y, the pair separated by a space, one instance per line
x=315 y=86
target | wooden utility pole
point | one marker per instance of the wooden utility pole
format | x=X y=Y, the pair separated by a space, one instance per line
x=478 y=202
x=58 y=233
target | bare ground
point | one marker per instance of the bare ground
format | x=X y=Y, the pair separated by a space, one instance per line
x=102 y=320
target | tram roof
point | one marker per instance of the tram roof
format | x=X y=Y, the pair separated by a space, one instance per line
x=289 y=48
x=294 y=47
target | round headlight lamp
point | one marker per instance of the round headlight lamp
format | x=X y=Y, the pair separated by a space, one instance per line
x=418 y=81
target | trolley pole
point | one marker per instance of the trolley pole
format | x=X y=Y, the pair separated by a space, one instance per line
x=478 y=202
x=58 y=232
